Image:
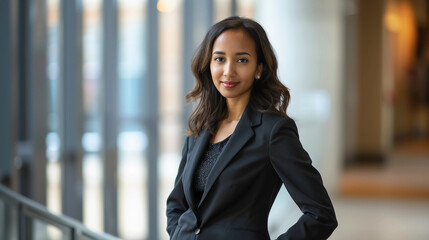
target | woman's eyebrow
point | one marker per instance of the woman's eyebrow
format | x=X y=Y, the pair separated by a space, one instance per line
x=218 y=52
x=239 y=53
x=243 y=53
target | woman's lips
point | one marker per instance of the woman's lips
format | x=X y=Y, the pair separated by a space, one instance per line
x=229 y=84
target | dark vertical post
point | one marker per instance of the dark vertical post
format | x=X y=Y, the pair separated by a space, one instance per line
x=6 y=94
x=110 y=132
x=234 y=10
x=349 y=75
x=72 y=115
x=22 y=221
x=188 y=48
x=151 y=116
x=14 y=78
x=37 y=98
x=22 y=153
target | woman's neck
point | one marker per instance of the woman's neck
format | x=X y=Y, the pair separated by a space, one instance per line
x=235 y=108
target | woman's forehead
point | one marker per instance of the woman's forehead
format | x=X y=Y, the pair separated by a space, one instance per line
x=234 y=40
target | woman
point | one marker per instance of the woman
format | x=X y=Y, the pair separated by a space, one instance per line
x=242 y=146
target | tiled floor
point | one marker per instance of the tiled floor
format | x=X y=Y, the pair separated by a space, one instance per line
x=381 y=219
x=404 y=177
x=386 y=202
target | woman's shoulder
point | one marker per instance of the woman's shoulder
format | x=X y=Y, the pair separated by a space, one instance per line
x=272 y=117
x=274 y=123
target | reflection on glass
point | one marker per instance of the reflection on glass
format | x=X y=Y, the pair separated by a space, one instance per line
x=53 y=171
x=132 y=140
x=131 y=57
x=43 y=231
x=91 y=142
x=53 y=141
x=91 y=139
x=93 y=195
x=132 y=185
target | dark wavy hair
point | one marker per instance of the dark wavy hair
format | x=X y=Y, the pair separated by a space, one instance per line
x=268 y=93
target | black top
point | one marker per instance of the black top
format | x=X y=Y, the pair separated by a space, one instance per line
x=205 y=165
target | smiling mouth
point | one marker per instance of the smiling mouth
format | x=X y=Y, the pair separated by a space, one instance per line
x=229 y=84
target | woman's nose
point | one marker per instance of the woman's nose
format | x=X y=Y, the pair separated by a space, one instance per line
x=229 y=69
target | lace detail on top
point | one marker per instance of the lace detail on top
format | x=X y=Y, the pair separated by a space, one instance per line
x=207 y=161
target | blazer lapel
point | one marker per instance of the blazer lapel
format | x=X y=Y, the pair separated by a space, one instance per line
x=242 y=133
x=194 y=155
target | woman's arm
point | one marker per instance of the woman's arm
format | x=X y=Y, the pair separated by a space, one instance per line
x=303 y=182
x=176 y=202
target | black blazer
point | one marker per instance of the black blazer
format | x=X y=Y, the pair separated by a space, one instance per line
x=263 y=152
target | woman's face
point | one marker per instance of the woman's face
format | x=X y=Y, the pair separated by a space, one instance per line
x=234 y=65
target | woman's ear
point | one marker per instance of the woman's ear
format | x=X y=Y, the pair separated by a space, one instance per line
x=259 y=71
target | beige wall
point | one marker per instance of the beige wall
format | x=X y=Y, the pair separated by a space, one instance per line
x=369 y=75
x=308 y=40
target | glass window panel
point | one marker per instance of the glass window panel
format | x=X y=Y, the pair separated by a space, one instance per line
x=53 y=141
x=93 y=193
x=131 y=57
x=92 y=62
x=222 y=9
x=246 y=8
x=44 y=231
x=170 y=80
x=8 y=221
x=132 y=185
x=132 y=139
x=53 y=171
x=85 y=237
x=171 y=101
x=93 y=115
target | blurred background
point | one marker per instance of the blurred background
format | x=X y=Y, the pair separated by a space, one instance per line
x=93 y=117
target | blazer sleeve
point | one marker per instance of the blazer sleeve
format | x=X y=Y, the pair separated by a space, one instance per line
x=303 y=182
x=176 y=201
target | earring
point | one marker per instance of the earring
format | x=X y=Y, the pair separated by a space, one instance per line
x=257 y=77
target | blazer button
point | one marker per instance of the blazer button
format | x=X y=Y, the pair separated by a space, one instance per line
x=197 y=231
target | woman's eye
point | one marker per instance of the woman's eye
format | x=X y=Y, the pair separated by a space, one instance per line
x=218 y=59
x=242 y=60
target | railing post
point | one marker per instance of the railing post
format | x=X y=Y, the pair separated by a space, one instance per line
x=29 y=210
x=22 y=230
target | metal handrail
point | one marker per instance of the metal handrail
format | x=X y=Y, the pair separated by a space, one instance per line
x=29 y=208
